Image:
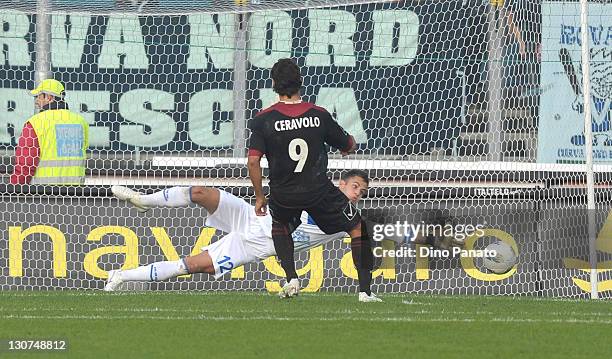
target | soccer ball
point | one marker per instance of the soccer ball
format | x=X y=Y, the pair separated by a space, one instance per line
x=504 y=261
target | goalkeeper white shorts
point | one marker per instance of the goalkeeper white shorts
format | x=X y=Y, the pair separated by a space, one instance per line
x=249 y=239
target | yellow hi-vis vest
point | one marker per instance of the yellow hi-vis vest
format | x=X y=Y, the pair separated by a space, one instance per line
x=63 y=137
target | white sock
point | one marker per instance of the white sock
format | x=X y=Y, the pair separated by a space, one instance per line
x=170 y=197
x=157 y=271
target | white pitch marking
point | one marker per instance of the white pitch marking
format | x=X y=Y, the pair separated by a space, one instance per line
x=248 y=311
x=322 y=319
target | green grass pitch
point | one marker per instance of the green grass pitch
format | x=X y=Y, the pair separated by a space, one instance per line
x=240 y=325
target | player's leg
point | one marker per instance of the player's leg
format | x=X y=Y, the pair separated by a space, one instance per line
x=169 y=197
x=363 y=259
x=335 y=213
x=157 y=271
x=224 y=255
x=216 y=259
x=232 y=214
x=226 y=212
x=283 y=223
x=281 y=236
x=206 y=197
x=200 y=263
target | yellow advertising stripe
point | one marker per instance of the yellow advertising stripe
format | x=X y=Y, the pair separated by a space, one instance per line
x=586 y=286
x=574 y=263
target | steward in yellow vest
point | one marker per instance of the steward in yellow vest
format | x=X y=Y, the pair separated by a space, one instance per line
x=62 y=137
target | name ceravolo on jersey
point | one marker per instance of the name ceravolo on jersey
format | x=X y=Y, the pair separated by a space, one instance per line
x=297 y=123
x=292 y=136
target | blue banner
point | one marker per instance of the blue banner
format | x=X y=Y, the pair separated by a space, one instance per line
x=561 y=129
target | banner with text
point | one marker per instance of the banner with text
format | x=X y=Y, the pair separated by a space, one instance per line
x=72 y=243
x=561 y=129
x=387 y=71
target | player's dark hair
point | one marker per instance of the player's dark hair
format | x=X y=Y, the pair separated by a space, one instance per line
x=287 y=78
x=356 y=173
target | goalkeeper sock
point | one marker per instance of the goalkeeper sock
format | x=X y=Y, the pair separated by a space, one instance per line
x=170 y=197
x=157 y=271
x=283 y=245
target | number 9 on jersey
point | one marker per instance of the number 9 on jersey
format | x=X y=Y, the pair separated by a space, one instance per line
x=294 y=145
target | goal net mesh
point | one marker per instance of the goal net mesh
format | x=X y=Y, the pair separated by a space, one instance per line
x=463 y=110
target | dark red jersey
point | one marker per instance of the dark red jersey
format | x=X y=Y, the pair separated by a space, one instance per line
x=293 y=138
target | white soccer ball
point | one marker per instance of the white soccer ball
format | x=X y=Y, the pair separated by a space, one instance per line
x=503 y=261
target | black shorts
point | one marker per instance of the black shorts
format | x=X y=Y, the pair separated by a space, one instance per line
x=333 y=213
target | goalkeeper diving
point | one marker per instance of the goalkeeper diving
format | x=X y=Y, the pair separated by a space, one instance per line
x=249 y=237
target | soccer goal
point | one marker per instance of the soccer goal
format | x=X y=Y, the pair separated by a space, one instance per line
x=466 y=112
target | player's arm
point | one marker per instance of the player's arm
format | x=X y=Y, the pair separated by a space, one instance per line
x=256 y=179
x=257 y=148
x=352 y=147
x=337 y=137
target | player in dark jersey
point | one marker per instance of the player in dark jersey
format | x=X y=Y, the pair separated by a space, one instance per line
x=293 y=135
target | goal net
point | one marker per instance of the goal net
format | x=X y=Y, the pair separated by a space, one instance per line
x=463 y=110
